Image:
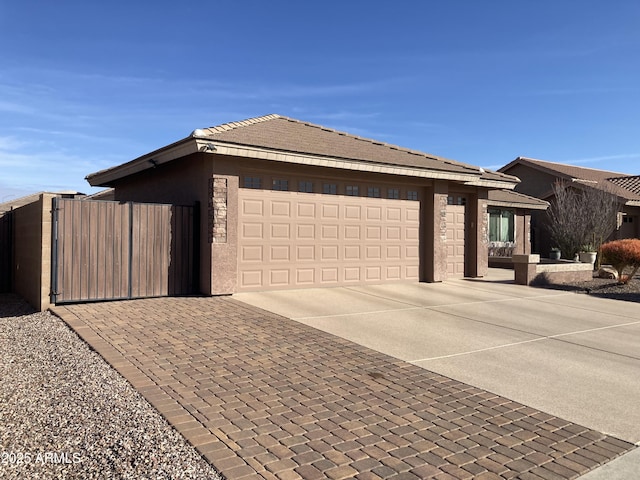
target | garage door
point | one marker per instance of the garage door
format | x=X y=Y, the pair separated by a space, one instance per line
x=455 y=240
x=302 y=240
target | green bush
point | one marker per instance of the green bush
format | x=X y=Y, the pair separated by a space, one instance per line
x=622 y=254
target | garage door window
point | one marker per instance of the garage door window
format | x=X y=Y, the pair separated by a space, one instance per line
x=412 y=195
x=305 y=187
x=352 y=190
x=281 y=185
x=252 y=182
x=393 y=193
x=330 y=189
x=373 y=192
x=453 y=200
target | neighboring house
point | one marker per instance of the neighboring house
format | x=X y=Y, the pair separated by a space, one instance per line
x=106 y=195
x=288 y=204
x=537 y=178
x=510 y=224
x=27 y=199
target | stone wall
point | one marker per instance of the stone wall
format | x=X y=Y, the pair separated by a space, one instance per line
x=529 y=271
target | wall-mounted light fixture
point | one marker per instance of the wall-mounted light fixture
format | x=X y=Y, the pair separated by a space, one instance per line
x=208 y=147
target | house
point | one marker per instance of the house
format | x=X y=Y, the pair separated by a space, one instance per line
x=537 y=180
x=16 y=203
x=289 y=204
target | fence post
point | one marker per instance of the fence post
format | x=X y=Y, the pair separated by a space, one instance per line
x=195 y=244
x=130 y=262
x=54 y=250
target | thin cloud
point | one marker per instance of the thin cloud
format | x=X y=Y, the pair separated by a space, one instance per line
x=10 y=144
x=577 y=91
x=623 y=156
x=632 y=157
x=42 y=170
x=344 y=115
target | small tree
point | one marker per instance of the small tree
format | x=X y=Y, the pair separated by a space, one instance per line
x=581 y=216
x=622 y=254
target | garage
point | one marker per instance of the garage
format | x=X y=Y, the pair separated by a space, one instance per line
x=301 y=240
x=288 y=204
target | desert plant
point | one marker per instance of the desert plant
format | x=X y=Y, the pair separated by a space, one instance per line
x=622 y=254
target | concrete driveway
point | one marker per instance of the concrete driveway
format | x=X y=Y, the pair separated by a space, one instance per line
x=571 y=355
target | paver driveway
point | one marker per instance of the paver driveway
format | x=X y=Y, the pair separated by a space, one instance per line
x=568 y=354
x=262 y=396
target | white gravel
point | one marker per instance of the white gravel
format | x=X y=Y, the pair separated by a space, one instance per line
x=65 y=413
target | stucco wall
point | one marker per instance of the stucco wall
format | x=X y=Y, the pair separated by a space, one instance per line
x=213 y=180
x=533 y=182
x=32 y=252
x=523 y=232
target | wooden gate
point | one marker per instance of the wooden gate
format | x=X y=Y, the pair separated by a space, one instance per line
x=110 y=250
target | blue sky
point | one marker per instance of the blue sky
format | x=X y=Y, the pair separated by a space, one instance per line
x=88 y=85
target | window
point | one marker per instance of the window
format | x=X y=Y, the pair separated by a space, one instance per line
x=393 y=193
x=352 y=190
x=252 y=182
x=412 y=195
x=501 y=225
x=304 y=186
x=373 y=192
x=626 y=219
x=280 y=184
x=330 y=188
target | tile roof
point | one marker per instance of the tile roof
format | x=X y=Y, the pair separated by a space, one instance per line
x=630 y=183
x=615 y=181
x=287 y=134
x=516 y=199
x=278 y=138
x=569 y=171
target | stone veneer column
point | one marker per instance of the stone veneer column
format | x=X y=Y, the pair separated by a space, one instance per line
x=478 y=235
x=435 y=241
x=222 y=233
x=217 y=210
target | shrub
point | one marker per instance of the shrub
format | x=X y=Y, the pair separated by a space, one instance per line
x=581 y=215
x=622 y=254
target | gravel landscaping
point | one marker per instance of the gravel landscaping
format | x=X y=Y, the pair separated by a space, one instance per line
x=605 y=288
x=65 y=413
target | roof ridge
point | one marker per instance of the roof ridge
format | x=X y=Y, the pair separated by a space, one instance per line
x=252 y=121
x=534 y=160
x=373 y=141
x=225 y=127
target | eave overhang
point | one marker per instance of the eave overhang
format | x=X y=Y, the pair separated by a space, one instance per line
x=191 y=145
x=181 y=148
x=524 y=206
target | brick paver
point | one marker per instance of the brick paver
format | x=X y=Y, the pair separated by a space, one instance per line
x=262 y=396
